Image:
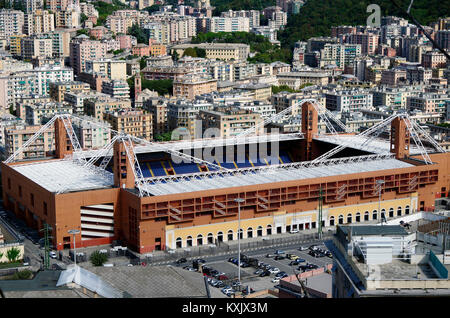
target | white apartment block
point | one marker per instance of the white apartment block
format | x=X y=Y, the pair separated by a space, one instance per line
x=11 y=22
x=428 y=103
x=222 y=24
x=253 y=15
x=349 y=100
x=41 y=21
x=43 y=76
x=36 y=47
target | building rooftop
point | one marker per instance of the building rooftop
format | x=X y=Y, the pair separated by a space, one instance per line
x=375 y=230
x=64 y=175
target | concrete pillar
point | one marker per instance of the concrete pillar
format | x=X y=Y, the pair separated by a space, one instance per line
x=399 y=138
x=310 y=126
x=123 y=168
x=62 y=146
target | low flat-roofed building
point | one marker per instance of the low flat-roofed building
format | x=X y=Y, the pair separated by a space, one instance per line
x=58 y=89
x=263 y=92
x=116 y=89
x=385 y=260
x=296 y=79
x=222 y=51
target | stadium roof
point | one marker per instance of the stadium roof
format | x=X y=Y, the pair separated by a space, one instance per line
x=65 y=175
x=205 y=182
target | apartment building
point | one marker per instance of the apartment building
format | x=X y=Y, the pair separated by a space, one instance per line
x=40 y=113
x=182 y=113
x=45 y=75
x=33 y=47
x=339 y=54
x=70 y=18
x=158 y=108
x=18 y=135
x=296 y=79
x=434 y=59
x=83 y=49
x=190 y=86
x=230 y=121
x=117 y=89
x=252 y=15
x=15 y=47
x=349 y=100
x=57 y=90
x=368 y=42
x=114 y=69
x=394 y=76
x=221 y=51
x=92 y=133
x=11 y=22
x=41 y=21
x=224 y=24
x=135 y=123
x=96 y=106
x=428 y=103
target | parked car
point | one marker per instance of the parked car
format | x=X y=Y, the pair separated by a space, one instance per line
x=274 y=270
x=302 y=248
x=52 y=254
x=220 y=284
x=265 y=273
x=199 y=260
x=292 y=257
x=270 y=255
x=281 y=274
x=279 y=257
x=314 y=254
x=222 y=277
x=259 y=271
x=278 y=252
x=181 y=260
x=293 y=231
x=276 y=280
x=231 y=259
x=245 y=265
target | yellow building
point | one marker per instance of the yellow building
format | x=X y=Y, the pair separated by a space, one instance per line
x=114 y=69
x=15 y=44
x=135 y=123
x=58 y=89
x=191 y=86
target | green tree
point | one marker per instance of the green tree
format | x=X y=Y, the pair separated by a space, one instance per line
x=98 y=259
x=1 y=255
x=190 y=51
x=13 y=254
x=25 y=274
x=140 y=35
x=142 y=63
x=164 y=137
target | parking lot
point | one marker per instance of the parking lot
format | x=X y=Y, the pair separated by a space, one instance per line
x=257 y=283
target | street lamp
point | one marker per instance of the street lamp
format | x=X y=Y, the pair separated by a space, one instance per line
x=74 y=232
x=239 y=201
x=380 y=185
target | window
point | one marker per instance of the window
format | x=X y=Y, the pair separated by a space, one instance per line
x=391 y=212
x=269 y=229
x=399 y=211
x=259 y=231
x=241 y=234
x=407 y=209
x=220 y=236
x=331 y=220
x=358 y=217
x=341 y=219
x=20 y=191
x=189 y=241
x=249 y=232
x=349 y=218
x=179 y=242
x=230 y=235
x=32 y=199
x=374 y=214
x=210 y=238
x=45 y=208
x=366 y=216
x=383 y=214
x=9 y=183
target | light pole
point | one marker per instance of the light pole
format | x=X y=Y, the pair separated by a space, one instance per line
x=74 y=232
x=380 y=185
x=239 y=201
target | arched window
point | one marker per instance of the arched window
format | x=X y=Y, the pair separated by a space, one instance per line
x=383 y=214
x=349 y=218
x=269 y=229
x=391 y=212
x=179 y=242
x=374 y=214
x=210 y=238
x=366 y=216
x=241 y=234
x=259 y=231
x=399 y=211
x=358 y=217
x=230 y=235
x=341 y=219
x=189 y=241
x=249 y=232
x=407 y=209
x=220 y=236
x=331 y=220
x=199 y=240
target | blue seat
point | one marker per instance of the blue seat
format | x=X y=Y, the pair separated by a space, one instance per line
x=182 y=168
x=145 y=170
x=157 y=169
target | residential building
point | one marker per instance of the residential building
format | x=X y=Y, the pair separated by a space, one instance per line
x=221 y=51
x=114 y=69
x=223 y=24
x=40 y=113
x=117 y=89
x=297 y=79
x=428 y=102
x=32 y=47
x=11 y=22
x=83 y=49
x=191 y=86
x=135 y=123
x=394 y=76
x=92 y=133
x=41 y=21
x=18 y=135
x=96 y=106
x=434 y=59
x=348 y=100
x=57 y=90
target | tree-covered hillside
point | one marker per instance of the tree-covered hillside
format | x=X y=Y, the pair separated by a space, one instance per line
x=225 y=5
x=317 y=17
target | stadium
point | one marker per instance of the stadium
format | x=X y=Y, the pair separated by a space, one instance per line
x=159 y=196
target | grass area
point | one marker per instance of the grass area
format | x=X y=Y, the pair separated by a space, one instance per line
x=10 y=265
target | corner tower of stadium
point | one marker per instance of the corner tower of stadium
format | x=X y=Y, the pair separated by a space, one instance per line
x=142 y=195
